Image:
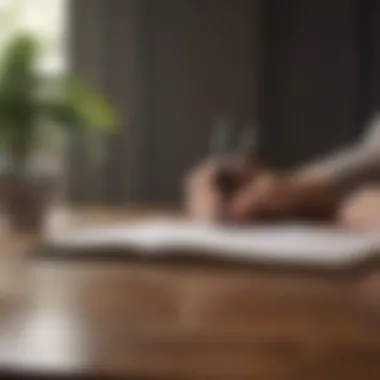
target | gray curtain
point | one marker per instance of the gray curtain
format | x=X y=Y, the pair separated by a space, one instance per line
x=171 y=67
x=319 y=76
x=308 y=78
x=307 y=69
x=105 y=47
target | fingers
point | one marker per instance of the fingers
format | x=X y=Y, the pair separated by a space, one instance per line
x=202 y=198
x=361 y=211
x=252 y=200
x=267 y=196
x=247 y=202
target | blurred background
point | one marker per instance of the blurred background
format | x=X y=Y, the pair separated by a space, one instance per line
x=306 y=71
x=163 y=72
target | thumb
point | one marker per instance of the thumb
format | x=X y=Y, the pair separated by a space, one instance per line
x=244 y=202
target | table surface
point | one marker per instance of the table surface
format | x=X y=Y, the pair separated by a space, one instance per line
x=138 y=320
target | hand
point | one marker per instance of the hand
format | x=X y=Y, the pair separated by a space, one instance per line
x=204 y=200
x=274 y=196
x=361 y=210
x=266 y=196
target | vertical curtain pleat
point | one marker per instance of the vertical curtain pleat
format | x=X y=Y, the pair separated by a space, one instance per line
x=308 y=74
x=171 y=68
x=106 y=49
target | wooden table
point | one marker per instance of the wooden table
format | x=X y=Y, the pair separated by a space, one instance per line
x=138 y=320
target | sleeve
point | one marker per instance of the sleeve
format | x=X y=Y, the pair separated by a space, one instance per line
x=354 y=165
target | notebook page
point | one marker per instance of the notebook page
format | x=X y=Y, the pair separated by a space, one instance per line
x=288 y=243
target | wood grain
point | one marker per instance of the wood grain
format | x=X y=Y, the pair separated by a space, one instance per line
x=136 y=320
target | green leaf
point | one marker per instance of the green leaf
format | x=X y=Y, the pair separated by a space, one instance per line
x=17 y=69
x=62 y=114
x=89 y=104
x=17 y=86
x=30 y=103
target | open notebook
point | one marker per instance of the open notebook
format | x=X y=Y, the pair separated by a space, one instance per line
x=278 y=244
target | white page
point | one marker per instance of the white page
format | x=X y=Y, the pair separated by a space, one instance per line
x=288 y=243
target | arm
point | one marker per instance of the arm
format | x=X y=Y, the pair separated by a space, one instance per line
x=322 y=185
x=315 y=190
x=352 y=166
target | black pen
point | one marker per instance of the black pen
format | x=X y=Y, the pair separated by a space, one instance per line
x=231 y=155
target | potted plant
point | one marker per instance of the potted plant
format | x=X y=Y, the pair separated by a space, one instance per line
x=33 y=108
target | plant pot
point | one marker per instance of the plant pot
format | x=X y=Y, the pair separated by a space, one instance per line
x=27 y=200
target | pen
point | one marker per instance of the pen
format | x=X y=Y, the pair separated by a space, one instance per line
x=232 y=155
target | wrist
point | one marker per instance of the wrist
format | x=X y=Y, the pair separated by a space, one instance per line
x=313 y=197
